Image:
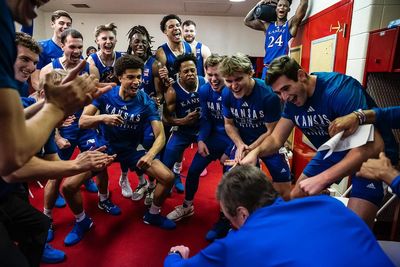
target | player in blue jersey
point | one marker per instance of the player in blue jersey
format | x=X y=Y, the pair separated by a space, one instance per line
x=105 y=58
x=212 y=140
x=268 y=228
x=201 y=51
x=312 y=102
x=140 y=45
x=22 y=138
x=377 y=169
x=277 y=33
x=89 y=139
x=124 y=113
x=182 y=109
x=251 y=111
x=175 y=46
x=52 y=48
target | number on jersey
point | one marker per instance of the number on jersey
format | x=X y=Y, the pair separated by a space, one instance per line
x=272 y=41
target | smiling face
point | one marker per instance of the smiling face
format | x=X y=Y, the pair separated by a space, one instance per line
x=291 y=91
x=140 y=45
x=61 y=24
x=130 y=80
x=173 y=30
x=215 y=79
x=239 y=83
x=106 y=40
x=73 y=48
x=25 y=64
x=282 y=9
x=189 y=33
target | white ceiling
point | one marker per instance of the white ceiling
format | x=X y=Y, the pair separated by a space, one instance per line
x=179 y=7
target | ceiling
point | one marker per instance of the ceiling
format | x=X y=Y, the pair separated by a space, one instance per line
x=179 y=7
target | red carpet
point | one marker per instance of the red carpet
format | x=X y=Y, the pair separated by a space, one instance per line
x=125 y=240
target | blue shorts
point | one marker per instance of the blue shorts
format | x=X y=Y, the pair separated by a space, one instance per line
x=363 y=188
x=128 y=158
x=277 y=167
x=175 y=147
x=87 y=139
x=218 y=145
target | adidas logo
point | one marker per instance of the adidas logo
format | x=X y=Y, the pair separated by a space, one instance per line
x=283 y=170
x=124 y=107
x=219 y=98
x=310 y=109
x=371 y=186
x=245 y=104
x=193 y=95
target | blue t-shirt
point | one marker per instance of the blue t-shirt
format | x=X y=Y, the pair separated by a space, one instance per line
x=212 y=118
x=8 y=51
x=185 y=103
x=200 y=60
x=276 y=41
x=50 y=51
x=106 y=72
x=135 y=112
x=50 y=146
x=335 y=95
x=395 y=185
x=148 y=77
x=389 y=116
x=171 y=57
x=314 y=231
x=8 y=54
x=252 y=112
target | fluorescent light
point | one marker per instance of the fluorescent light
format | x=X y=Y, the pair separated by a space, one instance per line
x=237 y=0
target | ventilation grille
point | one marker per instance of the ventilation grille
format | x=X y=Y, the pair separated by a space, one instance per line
x=80 y=5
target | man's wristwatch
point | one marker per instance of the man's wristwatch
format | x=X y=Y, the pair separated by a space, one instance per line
x=175 y=252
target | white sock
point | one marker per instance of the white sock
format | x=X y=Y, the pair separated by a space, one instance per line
x=47 y=212
x=142 y=180
x=154 y=209
x=79 y=217
x=187 y=203
x=103 y=197
x=177 y=167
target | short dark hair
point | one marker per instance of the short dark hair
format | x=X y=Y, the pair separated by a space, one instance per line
x=74 y=34
x=183 y=58
x=166 y=18
x=27 y=41
x=188 y=23
x=60 y=13
x=245 y=186
x=127 y=62
x=90 y=48
x=280 y=66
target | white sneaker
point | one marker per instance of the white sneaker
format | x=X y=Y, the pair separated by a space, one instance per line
x=139 y=191
x=180 y=212
x=148 y=200
x=126 y=189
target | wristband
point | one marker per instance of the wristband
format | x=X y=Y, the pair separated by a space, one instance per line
x=175 y=252
x=360 y=115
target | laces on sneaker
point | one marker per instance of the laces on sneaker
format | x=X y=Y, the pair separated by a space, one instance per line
x=139 y=191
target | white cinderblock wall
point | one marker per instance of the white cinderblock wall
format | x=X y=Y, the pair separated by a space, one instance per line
x=368 y=15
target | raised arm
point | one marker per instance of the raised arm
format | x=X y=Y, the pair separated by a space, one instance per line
x=253 y=23
x=295 y=21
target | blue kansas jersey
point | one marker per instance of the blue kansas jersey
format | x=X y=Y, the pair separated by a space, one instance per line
x=250 y=113
x=135 y=112
x=187 y=102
